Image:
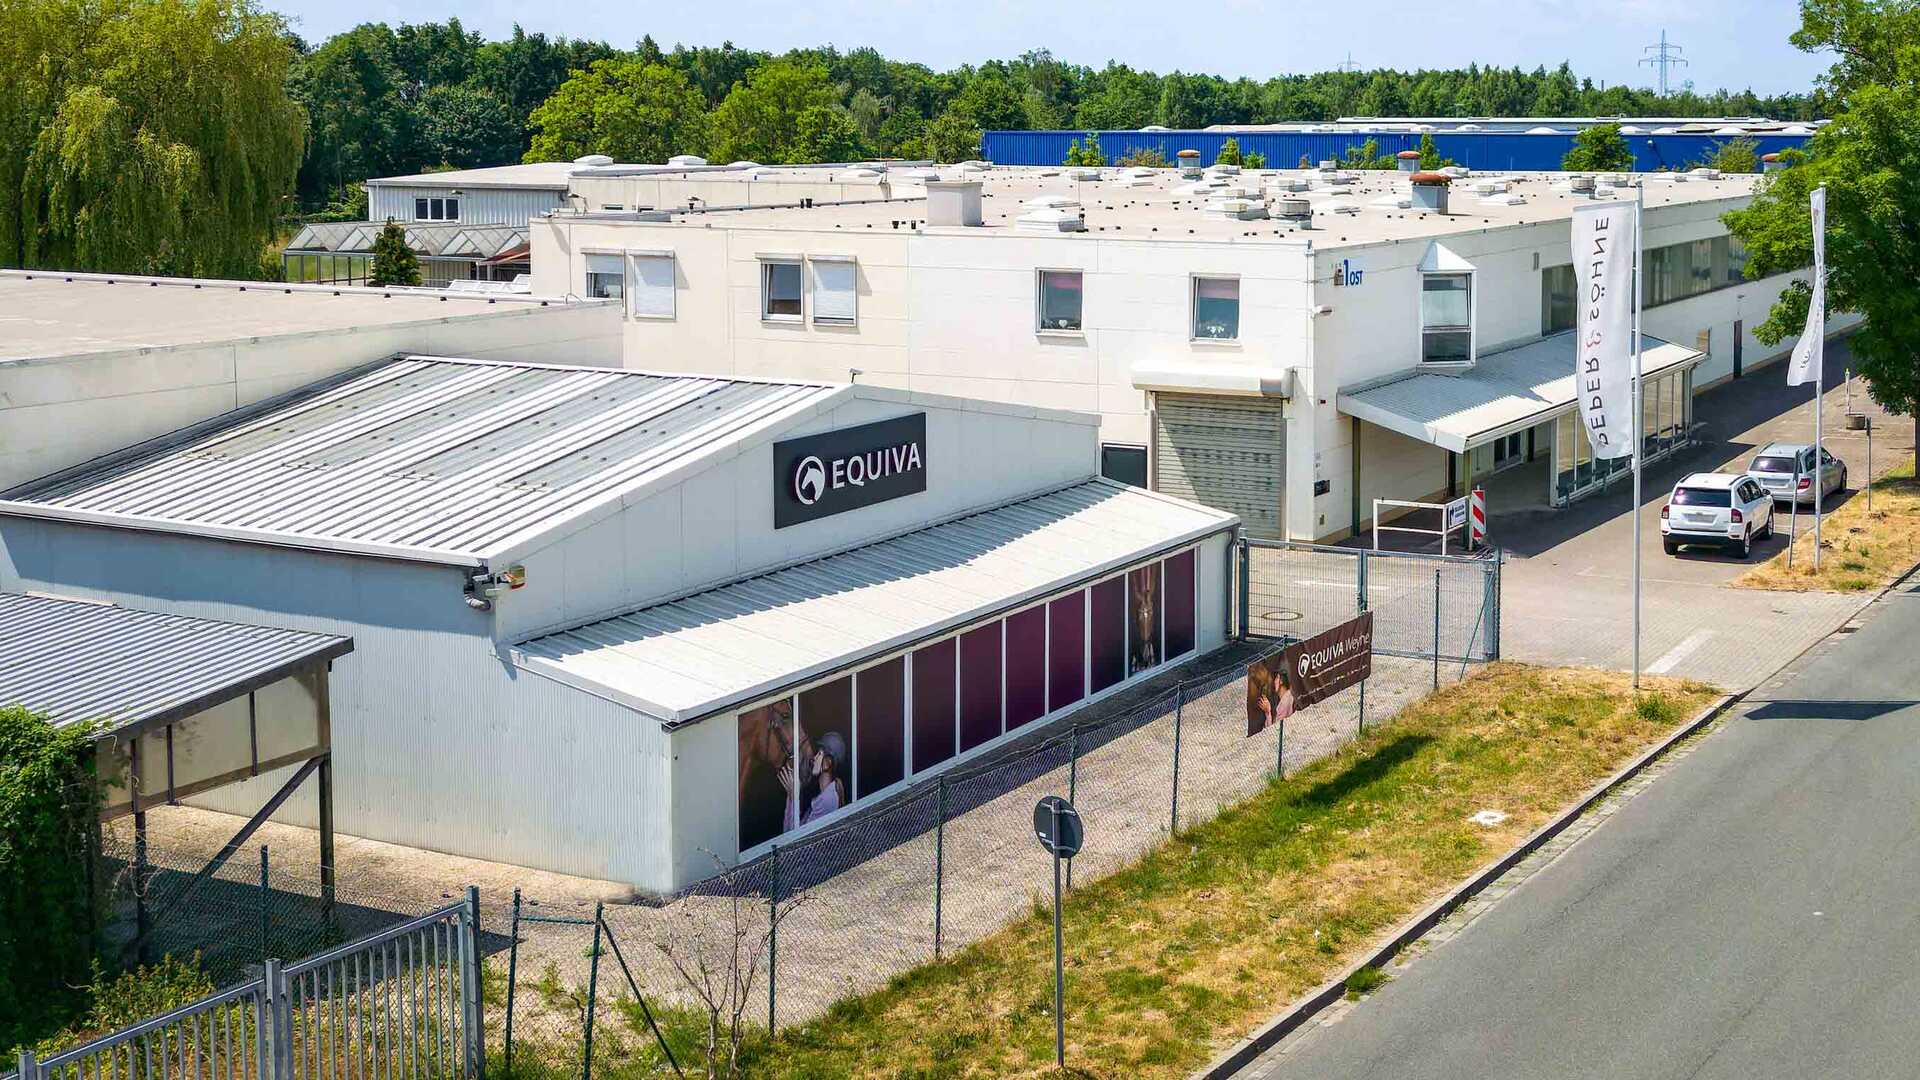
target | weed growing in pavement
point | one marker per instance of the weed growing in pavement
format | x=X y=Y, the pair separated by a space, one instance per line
x=1364 y=982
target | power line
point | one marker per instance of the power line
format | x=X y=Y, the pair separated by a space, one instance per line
x=1347 y=64
x=1665 y=57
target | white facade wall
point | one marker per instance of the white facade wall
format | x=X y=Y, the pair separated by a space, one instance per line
x=59 y=411
x=716 y=524
x=438 y=742
x=478 y=205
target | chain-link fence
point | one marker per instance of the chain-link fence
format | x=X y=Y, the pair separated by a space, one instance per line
x=843 y=910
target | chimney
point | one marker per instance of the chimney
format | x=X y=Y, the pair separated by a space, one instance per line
x=1430 y=191
x=1409 y=160
x=953 y=202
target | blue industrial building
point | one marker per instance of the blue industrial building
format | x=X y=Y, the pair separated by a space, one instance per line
x=1484 y=150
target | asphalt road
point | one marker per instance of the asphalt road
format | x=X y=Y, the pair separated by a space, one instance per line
x=1753 y=913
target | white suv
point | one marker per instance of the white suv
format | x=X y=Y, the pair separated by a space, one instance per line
x=1728 y=510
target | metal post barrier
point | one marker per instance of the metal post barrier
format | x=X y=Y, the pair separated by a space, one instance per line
x=593 y=994
x=1360 y=575
x=29 y=1069
x=1436 y=629
x=773 y=938
x=1363 y=707
x=280 y=1008
x=939 y=864
x=513 y=973
x=472 y=1014
x=1179 y=701
x=1493 y=604
x=1073 y=786
x=264 y=897
x=1246 y=588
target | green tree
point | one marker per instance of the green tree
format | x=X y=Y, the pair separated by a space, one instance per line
x=759 y=119
x=624 y=109
x=827 y=133
x=1088 y=156
x=992 y=103
x=1600 y=148
x=951 y=137
x=1868 y=159
x=1367 y=156
x=1125 y=99
x=49 y=813
x=147 y=136
x=1430 y=156
x=1736 y=156
x=525 y=69
x=1230 y=153
x=1254 y=160
x=394 y=262
x=467 y=127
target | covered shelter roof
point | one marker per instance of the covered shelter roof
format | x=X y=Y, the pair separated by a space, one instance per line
x=74 y=661
x=685 y=659
x=1503 y=392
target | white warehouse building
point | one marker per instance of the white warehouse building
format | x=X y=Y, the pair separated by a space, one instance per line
x=595 y=614
x=1288 y=345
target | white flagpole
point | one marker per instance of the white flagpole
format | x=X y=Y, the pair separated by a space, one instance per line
x=1639 y=439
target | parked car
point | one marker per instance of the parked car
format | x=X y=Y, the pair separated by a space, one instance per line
x=1786 y=471
x=1725 y=510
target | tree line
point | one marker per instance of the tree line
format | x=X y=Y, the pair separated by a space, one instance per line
x=182 y=136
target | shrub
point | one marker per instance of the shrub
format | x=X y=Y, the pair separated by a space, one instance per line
x=1152 y=157
x=130 y=997
x=394 y=263
x=49 y=814
x=1230 y=153
x=1600 y=148
x=1254 y=160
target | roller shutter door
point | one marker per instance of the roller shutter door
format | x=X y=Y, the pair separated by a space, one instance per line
x=1224 y=452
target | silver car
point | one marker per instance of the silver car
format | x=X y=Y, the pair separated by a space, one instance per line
x=1786 y=471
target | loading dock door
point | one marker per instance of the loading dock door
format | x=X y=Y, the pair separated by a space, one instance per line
x=1224 y=452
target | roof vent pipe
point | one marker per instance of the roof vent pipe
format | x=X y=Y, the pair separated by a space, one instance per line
x=1771 y=163
x=1430 y=191
x=953 y=202
x=1409 y=160
x=1190 y=164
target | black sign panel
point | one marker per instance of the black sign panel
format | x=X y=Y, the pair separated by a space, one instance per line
x=1057 y=825
x=822 y=475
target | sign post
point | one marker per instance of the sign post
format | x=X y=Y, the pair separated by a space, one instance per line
x=1057 y=824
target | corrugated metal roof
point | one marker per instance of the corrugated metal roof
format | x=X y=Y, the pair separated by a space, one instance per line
x=689 y=658
x=436 y=459
x=1458 y=410
x=74 y=661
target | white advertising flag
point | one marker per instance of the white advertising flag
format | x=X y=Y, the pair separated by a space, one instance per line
x=1603 y=250
x=1808 y=352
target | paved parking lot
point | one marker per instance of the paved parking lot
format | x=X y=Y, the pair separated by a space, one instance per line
x=1568 y=588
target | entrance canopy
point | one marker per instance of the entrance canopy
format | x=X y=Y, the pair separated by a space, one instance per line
x=1504 y=392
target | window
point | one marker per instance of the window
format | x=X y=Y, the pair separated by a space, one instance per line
x=1066 y=651
x=1702 y=497
x=1216 y=309
x=880 y=736
x=436 y=209
x=1107 y=633
x=1127 y=464
x=835 y=299
x=981 y=716
x=1060 y=301
x=933 y=703
x=780 y=291
x=1446 y=313
x=606 y=276
x=1027 y=666
x=1559 y=309
x=653 y=288
x=1180 y=601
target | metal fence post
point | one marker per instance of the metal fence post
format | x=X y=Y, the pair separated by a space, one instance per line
x=939 y=863
x=1073 y=786
x=472 y=1015
x=1493 y=604
x=513 y=971
x=773 y=941
x=1179 y=702
x=593 y=995
x=29 y=1069
x=280 y=1035
x=1246 y=587
x=1361 y=583
x=1436 y=629
x=265 y=896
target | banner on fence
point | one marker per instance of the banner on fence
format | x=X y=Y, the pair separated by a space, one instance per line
x=1308 y=672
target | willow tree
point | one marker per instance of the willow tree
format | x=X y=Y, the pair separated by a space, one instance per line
x=144 y=136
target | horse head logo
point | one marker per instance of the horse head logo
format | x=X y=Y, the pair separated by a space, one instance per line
x=809 y=480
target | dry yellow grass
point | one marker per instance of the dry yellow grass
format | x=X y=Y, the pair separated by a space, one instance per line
x=1222 y=927
x=1859 y=550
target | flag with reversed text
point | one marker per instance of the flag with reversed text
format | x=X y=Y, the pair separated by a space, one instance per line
x=1603 y=252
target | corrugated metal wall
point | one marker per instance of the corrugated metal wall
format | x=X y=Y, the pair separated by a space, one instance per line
x=478 y=206
x=1283 y=150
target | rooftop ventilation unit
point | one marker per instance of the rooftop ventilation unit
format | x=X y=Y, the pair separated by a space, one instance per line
x=1580 y=185
x=1490 y=187
x=593 y=161
x=1705 y=173
x=1237 y=208
x=1141 y=172
x=1052 y=219
x=1190 y=164
x=1042 y=202
x=953 y=202
x=1083 y=174
x=1288 y=183
x=1329 y=165
x=1430 y=191
x=1292 y=209
x=1408 y=160
x=686 y=161
x=1771 y=163
x=1458 y=172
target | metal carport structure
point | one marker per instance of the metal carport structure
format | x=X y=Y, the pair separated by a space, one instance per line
x=182 y=706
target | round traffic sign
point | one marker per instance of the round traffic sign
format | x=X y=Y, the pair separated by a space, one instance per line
x=1058 y=826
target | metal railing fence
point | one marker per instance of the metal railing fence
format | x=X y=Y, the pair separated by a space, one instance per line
x=1424 y=605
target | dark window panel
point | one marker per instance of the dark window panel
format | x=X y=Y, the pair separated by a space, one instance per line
x=1107 y=633
x=933 y=731
x=825 y=753
x=1026 y=666
x=880 y=760
x=980 y=698
x=1179 y=604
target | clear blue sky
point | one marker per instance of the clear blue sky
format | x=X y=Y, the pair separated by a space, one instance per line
x=1730 y=43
